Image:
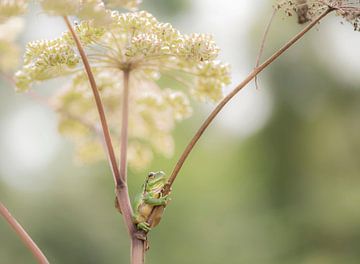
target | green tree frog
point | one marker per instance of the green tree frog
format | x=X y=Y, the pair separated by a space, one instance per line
x=149 y=198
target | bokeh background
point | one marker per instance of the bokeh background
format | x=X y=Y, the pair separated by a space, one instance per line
x=276 y=179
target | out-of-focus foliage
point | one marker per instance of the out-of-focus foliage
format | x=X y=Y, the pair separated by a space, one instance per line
x=129 y=4
x=10 y=8
x=9 y=50
x=288 y=194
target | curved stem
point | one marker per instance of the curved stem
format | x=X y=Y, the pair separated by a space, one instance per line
x=99 y=105
x=24 y=236
x=262 y=45
x=226 y=99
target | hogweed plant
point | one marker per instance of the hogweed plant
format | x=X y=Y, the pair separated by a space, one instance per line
x=114 y=62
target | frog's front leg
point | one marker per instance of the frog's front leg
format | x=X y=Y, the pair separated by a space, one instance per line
x=156 y=201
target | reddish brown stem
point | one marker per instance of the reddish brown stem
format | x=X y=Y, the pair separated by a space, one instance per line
x=137 y=245
x=121 y=188
x=124 y=127
x=262 y=45
x=24 y=236
x=227 y=98
x=137 y=251
x=99 y=106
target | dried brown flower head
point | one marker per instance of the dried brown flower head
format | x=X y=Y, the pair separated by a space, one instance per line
x=306 y=10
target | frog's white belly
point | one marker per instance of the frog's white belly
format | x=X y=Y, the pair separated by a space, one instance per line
x=145 y=210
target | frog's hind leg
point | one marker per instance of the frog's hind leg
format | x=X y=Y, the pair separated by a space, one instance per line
x=144 y=226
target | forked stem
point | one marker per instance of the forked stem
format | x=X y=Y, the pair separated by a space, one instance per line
x=24 y=236
x=119 y=175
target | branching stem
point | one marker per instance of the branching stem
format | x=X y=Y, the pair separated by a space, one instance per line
x=121 y=189
x=24 y=236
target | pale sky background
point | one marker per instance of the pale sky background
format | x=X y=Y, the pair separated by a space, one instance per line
x=29 y=137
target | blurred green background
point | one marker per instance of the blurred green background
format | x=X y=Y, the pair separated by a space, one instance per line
x=274 y=180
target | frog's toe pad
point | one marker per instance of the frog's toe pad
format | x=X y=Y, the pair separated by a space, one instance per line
x=144 y=226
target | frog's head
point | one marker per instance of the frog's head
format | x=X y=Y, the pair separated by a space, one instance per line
x=155 y=180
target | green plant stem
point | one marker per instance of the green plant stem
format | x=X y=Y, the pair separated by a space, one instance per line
x=227 y=98
x=24 y=236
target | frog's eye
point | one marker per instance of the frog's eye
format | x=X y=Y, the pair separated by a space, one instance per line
x=151 y=174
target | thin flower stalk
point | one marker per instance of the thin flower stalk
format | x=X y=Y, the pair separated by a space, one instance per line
x=23 y=235
x=121 y=190
x=99 y=105
x=226 y=99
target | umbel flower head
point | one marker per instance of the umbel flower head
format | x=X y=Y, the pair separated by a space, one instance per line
x=9 y=50
x=306 y=10
x=10 y=8
x=129 y=4
x=87 y=9
x=158 y=58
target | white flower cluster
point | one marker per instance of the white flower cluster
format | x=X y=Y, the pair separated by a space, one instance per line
x=160 y=61
x=45 y=60
x=151 y=119
x=86 y=9
x=10 y=8
x=10 y=27
x=129 y=4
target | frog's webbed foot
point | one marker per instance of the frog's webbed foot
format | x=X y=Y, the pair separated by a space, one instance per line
x=165 y=199
x=143 y=226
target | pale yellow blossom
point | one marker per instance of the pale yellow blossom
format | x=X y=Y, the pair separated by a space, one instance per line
x=9 y=50
x=153 y=53
x=10 y=8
